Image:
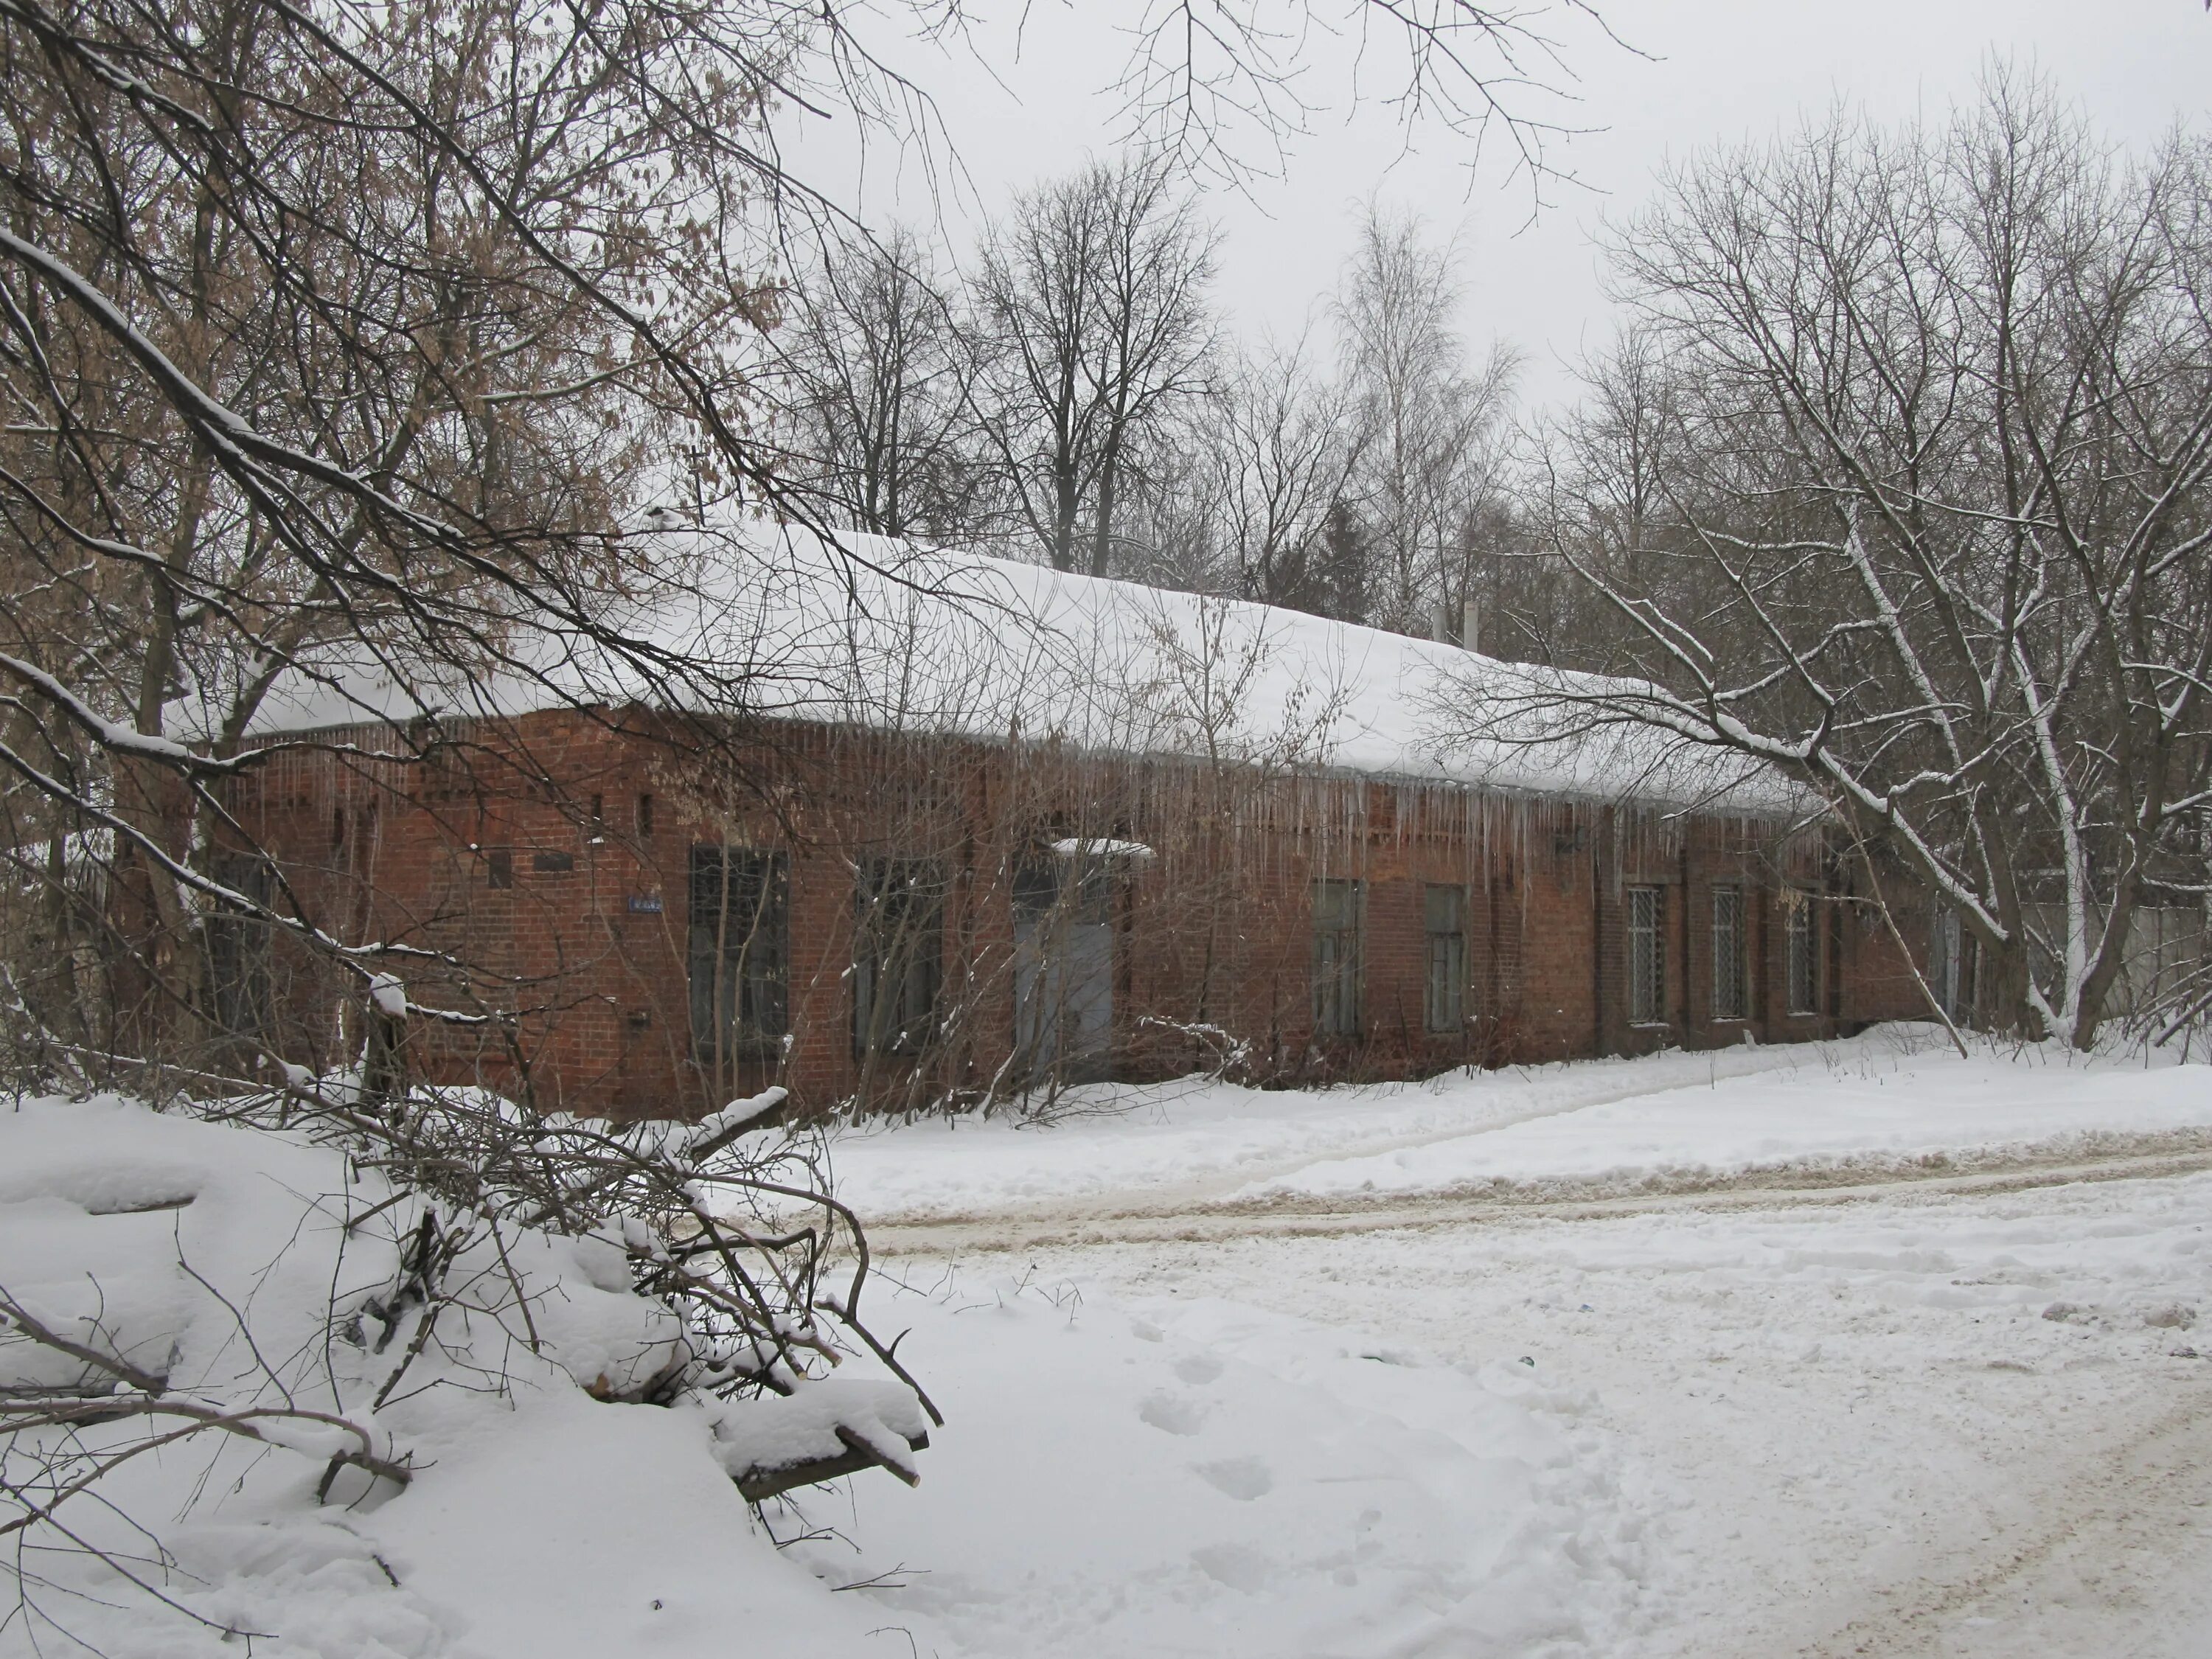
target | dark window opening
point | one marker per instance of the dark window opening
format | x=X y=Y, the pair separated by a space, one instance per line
x=898 y=951
x=1444 y=921
x=499 y=867
x=1647 y=956
x=241 y=959
x=1037 y=887
x=1731 y=993
x=1835 y=962
x=645 y=815
x=740 y=923
x=1801 y=934
x=1950 y=966
x=1074 y=890
x=1336 y=958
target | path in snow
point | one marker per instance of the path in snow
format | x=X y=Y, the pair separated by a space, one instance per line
x=2118 y=1562
x=1884 y=1104
x=1852 y=1430
x=1865 y=1399
x=1134 y=1219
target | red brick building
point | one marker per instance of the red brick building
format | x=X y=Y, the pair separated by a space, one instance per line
x=632 y=909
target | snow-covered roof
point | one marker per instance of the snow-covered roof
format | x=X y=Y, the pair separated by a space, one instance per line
x=877 y=634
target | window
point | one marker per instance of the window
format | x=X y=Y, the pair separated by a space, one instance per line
x=1647 y=956
x=1950 y=965
x=645 y=817
x=898 y=955
x=241 y=967
x=739 y=915
x=1336 y=966
x=1802 y=945
x=1731 y=999
x=1444 y=921
x=1835 y=964
x=499 y=867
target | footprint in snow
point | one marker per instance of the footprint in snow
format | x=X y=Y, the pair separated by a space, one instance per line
x=1234 y=1565
x=1172 y=1412
x=1241 y=1478
x=1197 y=1367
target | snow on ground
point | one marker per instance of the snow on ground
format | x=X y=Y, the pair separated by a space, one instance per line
x=1201 y=1478
x=1112 y=1481
x=538 y=1521
x=1894 y=1094
x=1917 y=1423
x=1878 y=1427
x=1914 y=1423
x=1841 y=1105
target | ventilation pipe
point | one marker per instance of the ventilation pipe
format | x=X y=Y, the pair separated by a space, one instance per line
x=1468 y=635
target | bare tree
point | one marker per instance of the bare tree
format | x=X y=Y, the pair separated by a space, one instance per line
x=1931 y=415
x=1279 y=455
x=1430 y=424
x=1092 y=326
x=331 y=329
x=878 y=408
x=1207 y=78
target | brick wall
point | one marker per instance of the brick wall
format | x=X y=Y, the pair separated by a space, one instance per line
x=568 y=926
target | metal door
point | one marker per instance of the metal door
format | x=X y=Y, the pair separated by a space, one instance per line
x=1063 y=970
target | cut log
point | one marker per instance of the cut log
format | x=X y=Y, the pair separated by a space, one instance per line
x=757 y=1485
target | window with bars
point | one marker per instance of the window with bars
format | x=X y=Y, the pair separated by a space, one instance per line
x=1731 y=993
x=1336 y=958
x=898 y=955
x=1951 y=964
x=1801 y=943
x=1444 y=924
x=1647 y=956
x=739 y=920
x=241 y=957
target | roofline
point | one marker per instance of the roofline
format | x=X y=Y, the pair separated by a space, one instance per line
x=1322 y=770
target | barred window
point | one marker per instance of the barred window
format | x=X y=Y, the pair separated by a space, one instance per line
x=241 y=959
x=898 y=955
x=1336 y=958
x=1647 y=956
x=1731 y=999
x=1950 y=964
x=1802 y=945
x=739 y=917
x=1443 y=923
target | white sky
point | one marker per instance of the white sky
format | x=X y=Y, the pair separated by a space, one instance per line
x=1718 y=70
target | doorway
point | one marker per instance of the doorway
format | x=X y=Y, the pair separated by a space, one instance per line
x=1063 y=967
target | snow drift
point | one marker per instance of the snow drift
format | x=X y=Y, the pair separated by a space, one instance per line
x=249 y=1386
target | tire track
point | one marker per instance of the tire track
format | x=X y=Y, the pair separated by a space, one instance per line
x=1119 y=1221
x=2117 y=1549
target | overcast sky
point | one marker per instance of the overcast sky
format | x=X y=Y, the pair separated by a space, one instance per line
x=1716 y=71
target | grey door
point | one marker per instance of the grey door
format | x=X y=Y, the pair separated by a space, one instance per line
x=1063 y=970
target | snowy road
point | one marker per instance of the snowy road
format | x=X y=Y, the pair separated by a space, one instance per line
x=1949 y=1405
x=1139 y=1217
x=1853 y=1427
